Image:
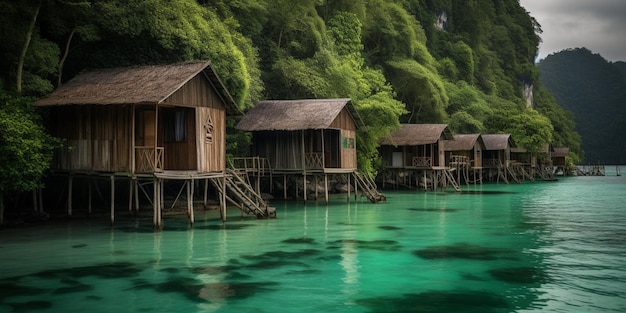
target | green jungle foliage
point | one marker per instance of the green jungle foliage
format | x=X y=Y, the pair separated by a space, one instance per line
x=595 y=91
x=461 y=62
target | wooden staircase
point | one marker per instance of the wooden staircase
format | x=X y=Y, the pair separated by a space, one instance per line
x=240 y=193
x=367 y=186
x=451 y=179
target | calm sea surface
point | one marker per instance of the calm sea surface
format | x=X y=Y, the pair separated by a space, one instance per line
x=531 y=247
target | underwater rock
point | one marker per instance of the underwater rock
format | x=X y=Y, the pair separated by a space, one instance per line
x=463 y=251
x=519 y=275
x=438 y=301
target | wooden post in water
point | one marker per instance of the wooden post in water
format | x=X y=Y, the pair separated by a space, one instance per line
x=89 y=198
x=350 y=187
x=190 y=186
x=112 y=199
x=69 y=195
x=325 y=186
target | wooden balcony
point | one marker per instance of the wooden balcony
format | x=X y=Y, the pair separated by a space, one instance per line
x=148 y=159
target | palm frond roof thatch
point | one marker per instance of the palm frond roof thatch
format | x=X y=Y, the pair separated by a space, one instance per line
x=498 y=141
x=418 y=134
x=463 y=142
x=290 y=115
x=135 y=85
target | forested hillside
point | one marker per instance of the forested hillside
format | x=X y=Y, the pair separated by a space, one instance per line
x=595 y=91
x=466 y=63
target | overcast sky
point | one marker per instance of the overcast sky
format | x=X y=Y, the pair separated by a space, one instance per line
x=598 y=25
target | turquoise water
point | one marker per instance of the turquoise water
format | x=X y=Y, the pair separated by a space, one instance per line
x=533 y=247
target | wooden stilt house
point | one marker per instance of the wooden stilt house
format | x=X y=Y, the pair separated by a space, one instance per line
x=309 y=137
x=464 y=155
x=497 y=155
x=415 y=151
x=149 y=122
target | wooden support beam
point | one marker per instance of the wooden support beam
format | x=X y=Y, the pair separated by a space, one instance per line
x=89 y=197
x=155 y=204
x=325 y=187
x=350 y=187
x=69 y=195
x=223 y=202
x=112 y=199
x=190 y=201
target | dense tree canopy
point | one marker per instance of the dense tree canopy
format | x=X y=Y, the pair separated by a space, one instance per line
x=420 y=61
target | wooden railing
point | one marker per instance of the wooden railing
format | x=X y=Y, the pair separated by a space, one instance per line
x=314 y=160
x=251 y=164
x=422 y=162
x=148 y=159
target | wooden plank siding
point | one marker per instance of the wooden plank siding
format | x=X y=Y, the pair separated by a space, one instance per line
x=96 y=138
x=197 y=92
x=211 y=155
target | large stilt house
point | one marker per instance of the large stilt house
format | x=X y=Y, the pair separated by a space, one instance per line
x=149 y=122
x=141 y=120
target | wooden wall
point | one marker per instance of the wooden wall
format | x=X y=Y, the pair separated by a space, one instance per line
x=96 y=138
x=345 y=122
x=211 y=152
x=197 y=92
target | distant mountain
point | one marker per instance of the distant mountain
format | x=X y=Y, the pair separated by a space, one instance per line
x=595 y=91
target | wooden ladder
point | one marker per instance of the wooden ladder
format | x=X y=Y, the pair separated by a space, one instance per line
x=368 y=187
x=452 y=181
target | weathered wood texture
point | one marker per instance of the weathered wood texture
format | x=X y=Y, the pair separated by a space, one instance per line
x=97 y=138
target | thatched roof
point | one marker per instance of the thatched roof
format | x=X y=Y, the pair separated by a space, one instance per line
x=418 y=134
x=560 y=152
x=463 y=142
x=498 y=141
x=134 y=85
x=296 y=114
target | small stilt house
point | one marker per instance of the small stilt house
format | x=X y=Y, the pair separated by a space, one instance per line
x=497 y=157
x=415 y=151
x=147 y=122
x=416 y=146
x=464 y=155
x=464 y=149
x=497 y=150
x=309 y=137
x=558 y=156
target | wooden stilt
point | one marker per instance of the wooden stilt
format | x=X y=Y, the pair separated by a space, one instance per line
x=285 y=186
x=89 y=198
x=356 y=189
x=190 y=187
x=304 y=189
x=130 y=195
x=112 y=199
x=326 y=186
x=69 y=195
x=350 y=187
x=316 y=183
x=206 y=192
x=155 y=197
x=161 y=201
x=136 y=184
x=223 y=200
